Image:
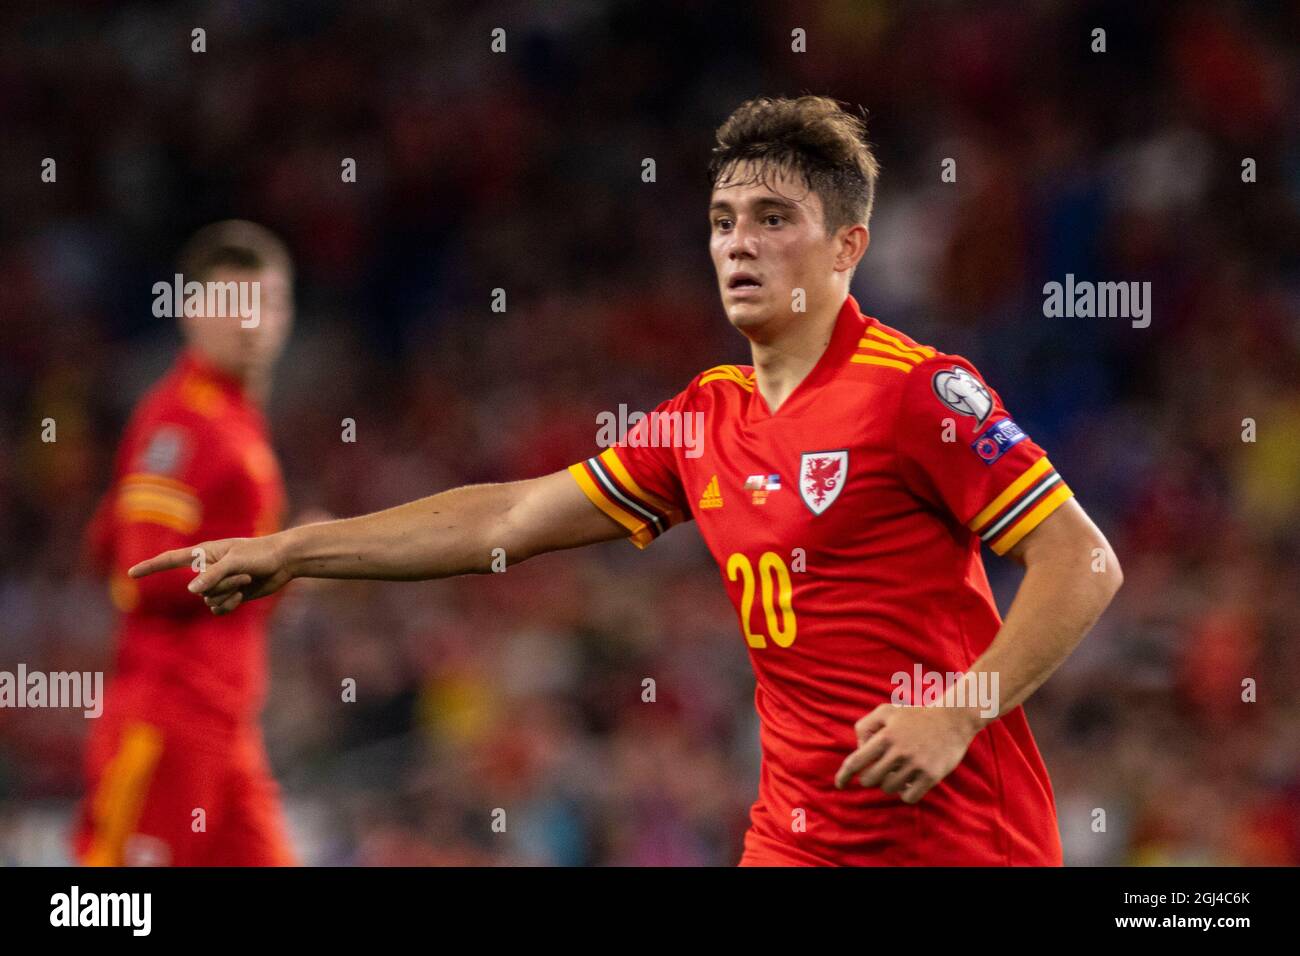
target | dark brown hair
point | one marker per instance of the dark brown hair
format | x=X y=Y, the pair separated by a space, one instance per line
x=812 y=136
x=235 y=244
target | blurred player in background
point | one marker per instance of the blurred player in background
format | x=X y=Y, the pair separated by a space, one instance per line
x=844 y=484
x=176 y=770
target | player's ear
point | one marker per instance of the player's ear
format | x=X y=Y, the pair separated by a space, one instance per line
x=851 y=245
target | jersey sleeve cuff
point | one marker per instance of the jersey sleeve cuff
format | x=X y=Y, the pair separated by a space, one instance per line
x=153 y=499
x=1021 y=507
x=606 y=481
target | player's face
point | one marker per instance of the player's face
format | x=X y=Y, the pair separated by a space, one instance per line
x=247 y=344
x=768 y=238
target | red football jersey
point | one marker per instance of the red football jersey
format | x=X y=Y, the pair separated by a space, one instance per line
x=195 y=464
x=847 y=527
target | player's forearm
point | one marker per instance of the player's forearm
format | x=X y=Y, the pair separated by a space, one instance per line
x=1059 y=600
x=450 y=533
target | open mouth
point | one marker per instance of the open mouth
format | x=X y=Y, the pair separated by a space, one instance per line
x=743 y=280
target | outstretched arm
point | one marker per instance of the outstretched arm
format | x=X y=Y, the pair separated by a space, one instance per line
x=455 y=532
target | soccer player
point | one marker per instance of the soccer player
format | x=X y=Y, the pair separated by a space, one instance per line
x=176 y=768
x=846 y=483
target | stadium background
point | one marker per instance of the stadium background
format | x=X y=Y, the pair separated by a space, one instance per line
x=522 y=171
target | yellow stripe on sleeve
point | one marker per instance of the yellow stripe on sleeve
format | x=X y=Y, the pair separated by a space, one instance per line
x=1036 y=470
x=154 y=505
x=144 y=516
x=638 y=530
x=615 y=464
x=1030 y=521
x=144 y=478
x=168 y=500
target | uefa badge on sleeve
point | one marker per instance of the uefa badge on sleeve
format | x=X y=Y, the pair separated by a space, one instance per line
x=963 y=393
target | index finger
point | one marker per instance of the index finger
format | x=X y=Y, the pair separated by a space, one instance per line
x=859 y=760
x=176 y=558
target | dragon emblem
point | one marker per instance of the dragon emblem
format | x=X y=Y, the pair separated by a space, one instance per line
x=821 y=477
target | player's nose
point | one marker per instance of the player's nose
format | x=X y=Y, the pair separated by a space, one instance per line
x=743 y=246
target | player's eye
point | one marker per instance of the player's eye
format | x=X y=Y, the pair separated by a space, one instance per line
x=772 y=219
x=722 y=222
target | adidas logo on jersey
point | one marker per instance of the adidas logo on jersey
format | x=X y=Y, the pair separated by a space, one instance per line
x=712 y=497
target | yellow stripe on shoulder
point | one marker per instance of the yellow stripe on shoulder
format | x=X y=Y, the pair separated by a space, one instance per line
x=885 y=362
x=727 y=373
x=872 y=345
x=922 y=350
x=202 y=396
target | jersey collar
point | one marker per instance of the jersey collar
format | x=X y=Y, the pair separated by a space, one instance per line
x=850 y=326
x=195 y=367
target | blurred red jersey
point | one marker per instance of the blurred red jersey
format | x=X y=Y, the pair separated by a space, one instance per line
x=847 y=527
x=176 y=768
x=195 y=464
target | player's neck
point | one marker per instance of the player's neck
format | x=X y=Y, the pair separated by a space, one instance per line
x=786 y=359
x=257 y=387
x=254 y=384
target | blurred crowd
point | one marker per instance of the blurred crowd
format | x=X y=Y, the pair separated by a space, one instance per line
x=523 y=692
